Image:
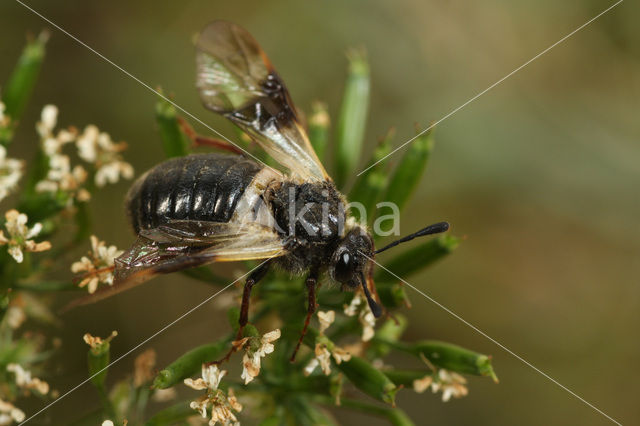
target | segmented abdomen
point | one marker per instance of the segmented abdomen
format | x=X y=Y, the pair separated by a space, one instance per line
x=197 y=187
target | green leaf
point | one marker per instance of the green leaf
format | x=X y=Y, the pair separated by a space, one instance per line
x=408 y=172
x=174 y=141
x=369 y=379
x=416 y=259
x=352 y=120
x=23 y=79
x=390 y=330
x=449 y=356
x=370 y=185
x=188 y=364
x=319 y=128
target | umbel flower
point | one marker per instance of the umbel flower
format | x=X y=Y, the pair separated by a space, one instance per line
x=93 y=146
x=222 y=405
x=61 y=177
x=25 y=381
x=450 y=383
x=97 y=147
x=10 y=172
x=324 y=348
x=10 y=413
x=358 y=306
x=98 y=265
x=255 y=349
x=20 y=236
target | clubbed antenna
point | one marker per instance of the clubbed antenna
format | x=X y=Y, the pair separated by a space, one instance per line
x=436 y=228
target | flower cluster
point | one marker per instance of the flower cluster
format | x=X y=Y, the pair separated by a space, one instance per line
x=93 y=146
x=97 y=266
x=359 y=307
x=325 y=349
x=10 y=170
x=221 y=405
x=97 y=148
x=10 y=413
x=25 y=381
x=254 y=350
x=20 y=236
x=451 y=384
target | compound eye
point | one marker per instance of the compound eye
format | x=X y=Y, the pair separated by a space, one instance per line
x=343 y=267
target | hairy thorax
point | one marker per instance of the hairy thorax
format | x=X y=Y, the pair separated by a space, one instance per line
x=311 y=219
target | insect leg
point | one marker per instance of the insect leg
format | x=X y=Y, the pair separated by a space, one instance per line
x=206 y=141
x=252 y=280
x=311 y=282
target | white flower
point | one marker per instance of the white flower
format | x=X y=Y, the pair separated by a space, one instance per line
x=24 y=379
x=451 y=384
x=326 y=319
x=98 y=265
x=211 y=376
x=221 y=404
x=48 y=121
x=111 y=172
x=20 y=236
x=10 y=173
x=420 y=385
x=86 y=144
x=358 y=306
x=97 y=147
x=251 y=360
x=10 y=413
x=61 y=177
x=107 y=423
x=322 y=358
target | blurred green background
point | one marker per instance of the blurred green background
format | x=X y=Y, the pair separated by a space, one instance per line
x=541 y=175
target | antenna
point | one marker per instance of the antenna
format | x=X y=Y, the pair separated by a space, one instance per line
x=436 y=228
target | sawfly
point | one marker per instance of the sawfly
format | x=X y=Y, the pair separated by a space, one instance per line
x=221 y=207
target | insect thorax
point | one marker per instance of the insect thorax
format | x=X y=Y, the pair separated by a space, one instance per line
x=311 y=219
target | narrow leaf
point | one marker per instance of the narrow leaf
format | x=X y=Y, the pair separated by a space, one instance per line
x=188 y=364
x=174 y=141
x=352 y=120
x=319 y=128
x=408 y=172
x=23 y=79
x=369 y=379
x=370 y=185
x=449 y=356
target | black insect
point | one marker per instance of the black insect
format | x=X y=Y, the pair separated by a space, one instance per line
x=206 y=208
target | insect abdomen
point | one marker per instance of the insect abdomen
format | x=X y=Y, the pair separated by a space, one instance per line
x=197 y=187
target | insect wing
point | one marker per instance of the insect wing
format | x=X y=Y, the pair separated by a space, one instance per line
x=186 y=244
x=182 y=244
x=236 y=79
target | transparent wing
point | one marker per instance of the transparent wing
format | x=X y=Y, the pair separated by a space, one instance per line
x=236 y=79
x=186 y=244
